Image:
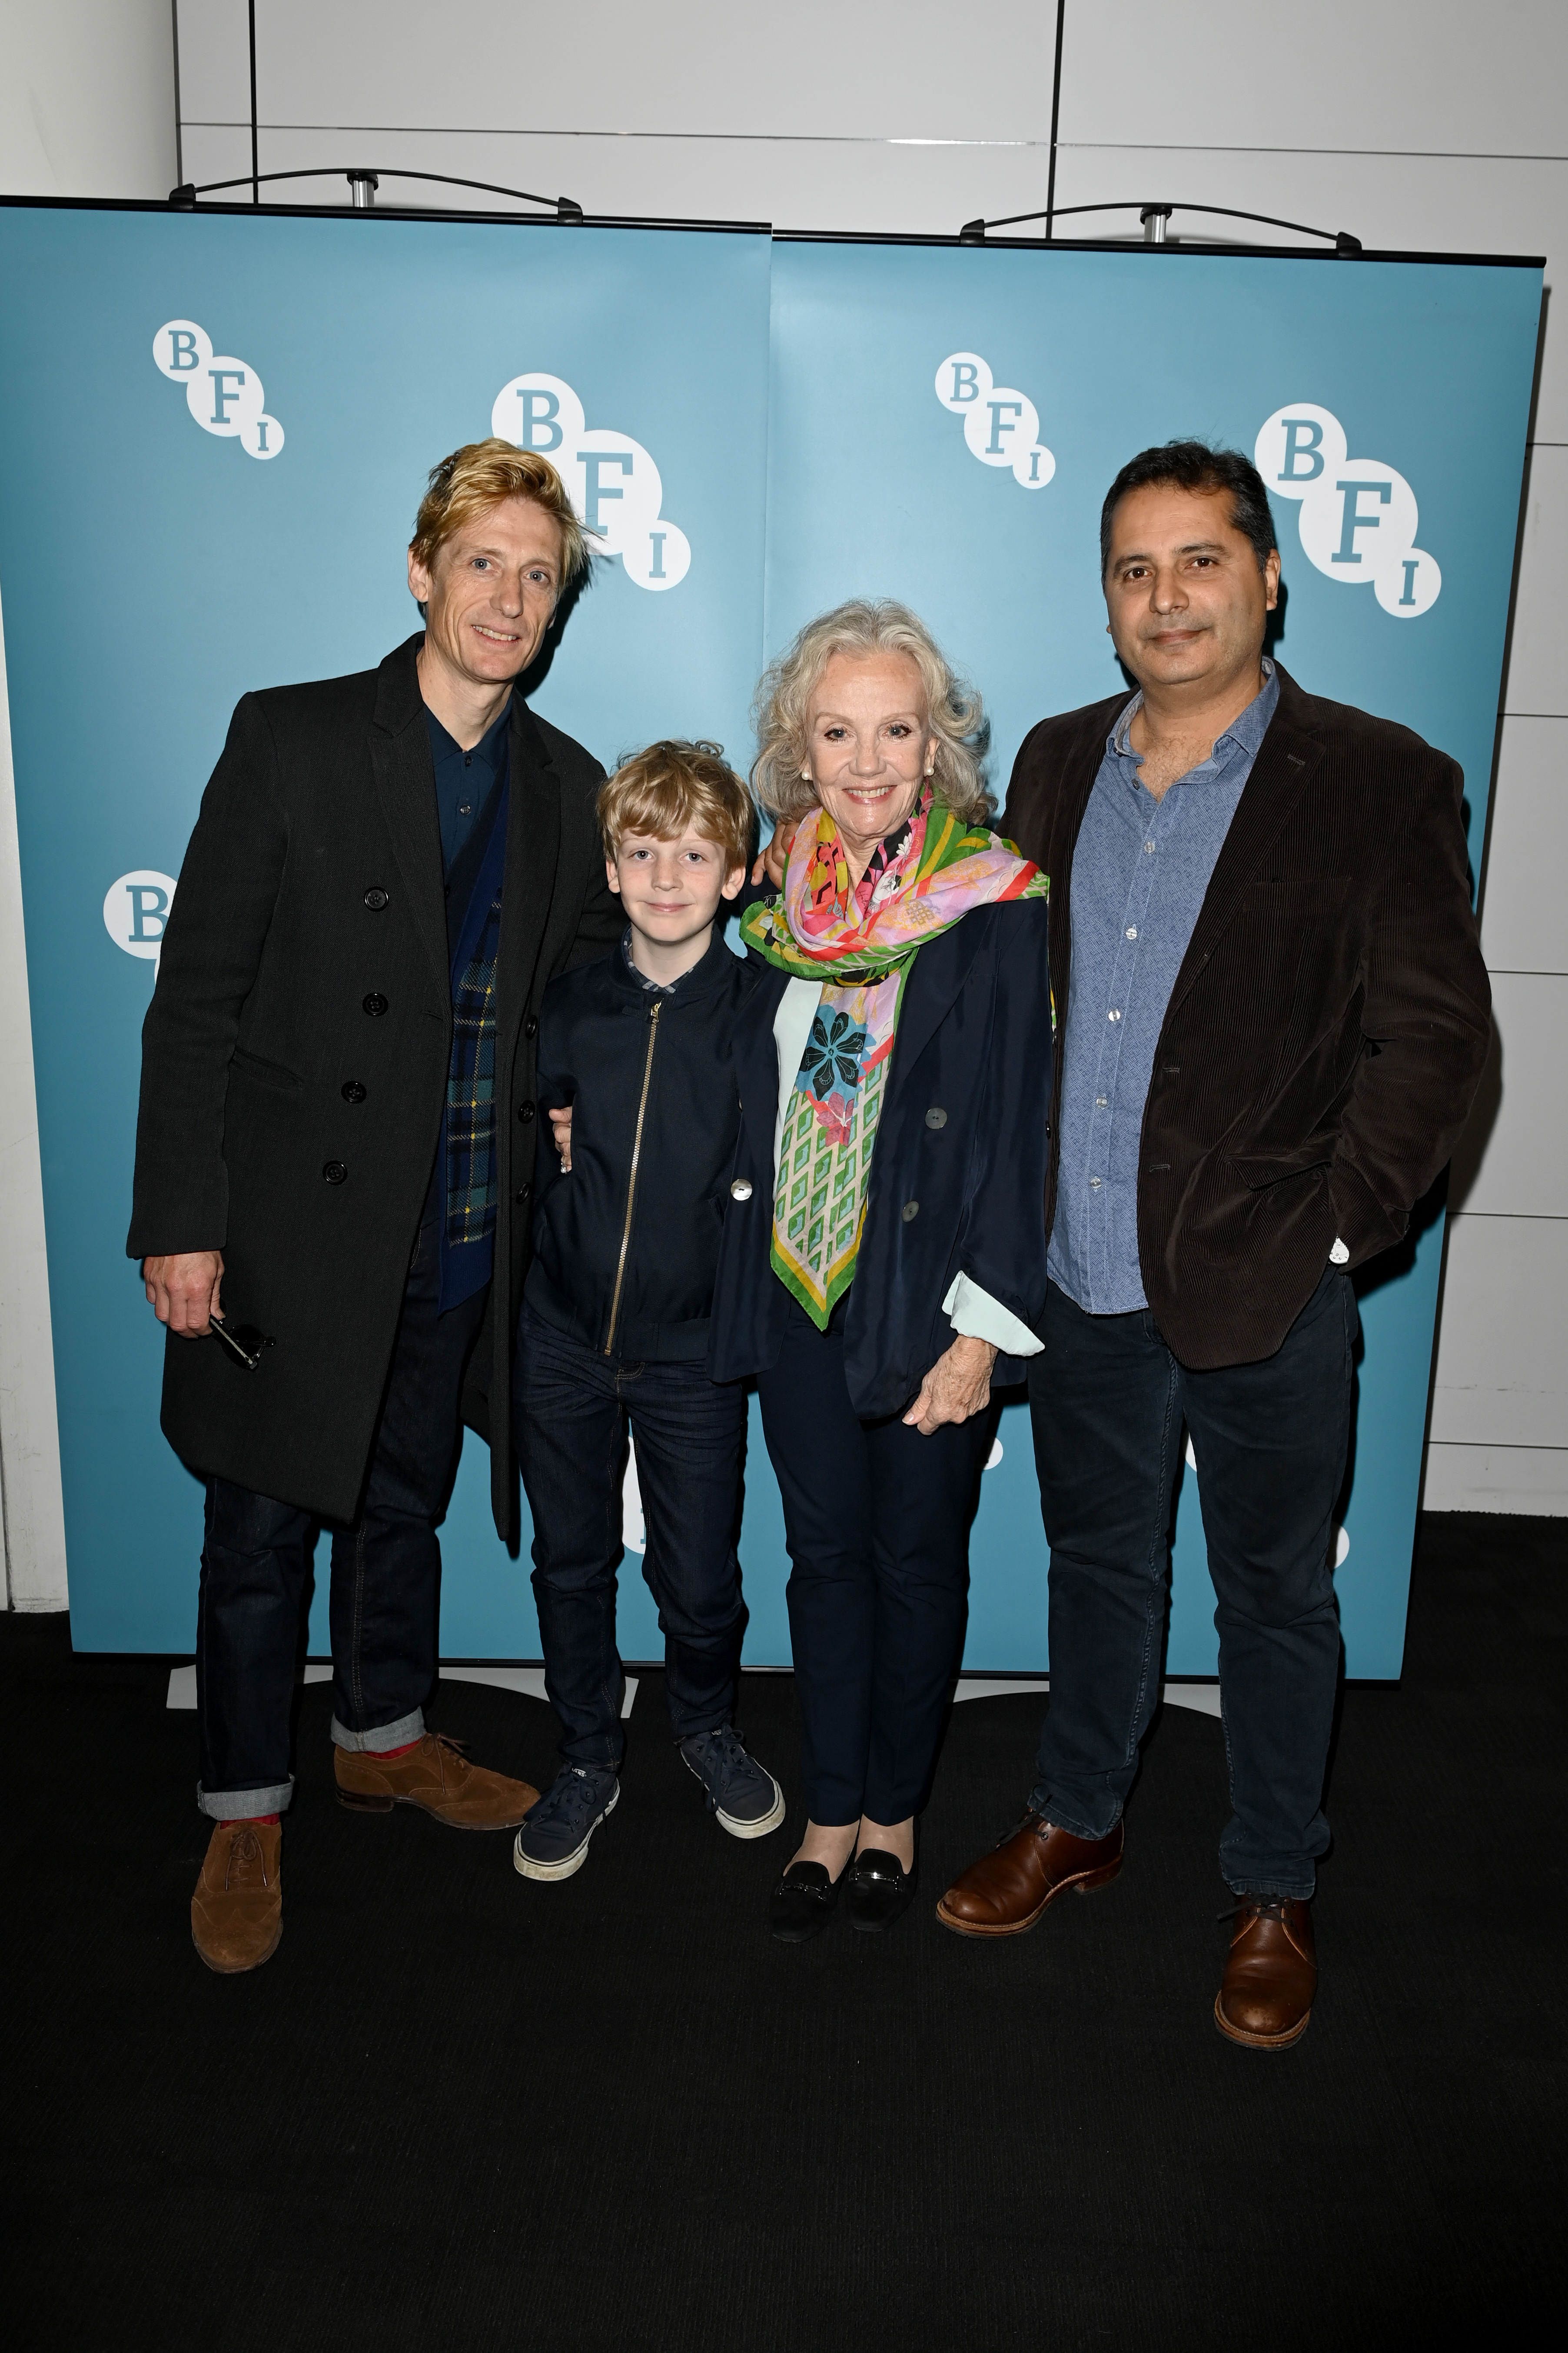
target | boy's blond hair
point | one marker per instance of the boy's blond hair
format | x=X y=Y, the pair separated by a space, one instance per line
x=671 y=786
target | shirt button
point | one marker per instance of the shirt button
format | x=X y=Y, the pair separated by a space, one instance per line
x=909 y=1212
x=335 y=1173
x=465 y=809
x=1099 y=1102
x=1148 y=845
x=375 y=1004
x=740 y=1189
x=1113 y=1015
x=1131 y=931
x=352 y=1092
x=376 y=898
x=936 y=1116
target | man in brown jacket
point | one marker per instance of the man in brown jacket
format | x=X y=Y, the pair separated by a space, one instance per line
x=1273 y=1015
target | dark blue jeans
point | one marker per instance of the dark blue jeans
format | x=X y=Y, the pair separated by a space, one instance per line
x=573 y=1408
x=385 y=1577
x=877 y=1519
x=1108 y=1400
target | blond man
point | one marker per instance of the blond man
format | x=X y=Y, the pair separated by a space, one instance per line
x=636 y=1069
x=335 y=1157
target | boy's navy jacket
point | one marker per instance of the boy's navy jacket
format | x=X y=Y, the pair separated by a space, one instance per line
x=958 y=1175
x=625 y=1246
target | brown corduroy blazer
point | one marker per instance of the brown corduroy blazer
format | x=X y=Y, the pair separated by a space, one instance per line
x=1327 y=1027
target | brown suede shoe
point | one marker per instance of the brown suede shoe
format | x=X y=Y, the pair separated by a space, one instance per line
x=437 y=1776
x=1006 y=1891
x=1270 y=1974
x=237 y=1911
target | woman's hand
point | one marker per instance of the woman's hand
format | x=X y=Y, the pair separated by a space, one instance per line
x=769 y=866
x=957 y=1387
x=560 y=1129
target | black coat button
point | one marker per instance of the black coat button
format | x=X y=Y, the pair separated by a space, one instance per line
x=335 y=1173
x=375 y=899
x=936 y=1116
x=352 y=1092
x=910 y=1211
x=524 y=1195
x=525 y=1112
x=376 y=1003
x=531 y=1026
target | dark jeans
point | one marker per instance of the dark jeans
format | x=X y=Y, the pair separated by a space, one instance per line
x=1108 y=1401
x=573 y=1408
x=385 y=1577
x=877 y=1518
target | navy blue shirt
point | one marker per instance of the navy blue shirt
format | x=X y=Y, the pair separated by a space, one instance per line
x=464 y=780
x=1141 y=870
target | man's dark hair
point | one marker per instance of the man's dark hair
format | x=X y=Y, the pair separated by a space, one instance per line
x=1194 y=466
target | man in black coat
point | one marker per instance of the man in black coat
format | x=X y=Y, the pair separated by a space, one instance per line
x=335 y=1152
x=1273 y=1014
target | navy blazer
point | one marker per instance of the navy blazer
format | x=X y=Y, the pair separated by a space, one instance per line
x=958 y=1175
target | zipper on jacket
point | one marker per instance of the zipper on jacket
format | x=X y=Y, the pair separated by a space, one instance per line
x=632 y=1180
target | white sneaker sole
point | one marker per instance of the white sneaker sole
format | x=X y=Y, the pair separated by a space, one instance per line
x=769 y=1821
x=568 y=1863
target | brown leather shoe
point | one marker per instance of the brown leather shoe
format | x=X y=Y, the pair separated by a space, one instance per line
x=1270 y=1973
x=437 y=1776
x=237 y=1911
x=1006 y=1891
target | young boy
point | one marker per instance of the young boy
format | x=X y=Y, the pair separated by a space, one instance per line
x=614 y=1313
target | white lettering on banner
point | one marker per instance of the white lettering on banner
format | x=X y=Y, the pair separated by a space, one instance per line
x=1358 y=519
x=1001 y=427
x=136 y=910
x=610 y=479
x=224 y=396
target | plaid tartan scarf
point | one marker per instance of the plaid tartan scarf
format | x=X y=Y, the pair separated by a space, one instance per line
x=470 y=1091
x=860 y=940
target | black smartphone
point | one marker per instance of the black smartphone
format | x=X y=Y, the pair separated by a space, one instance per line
x=243 y=1341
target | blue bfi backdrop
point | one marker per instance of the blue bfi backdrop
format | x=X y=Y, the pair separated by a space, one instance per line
x=218 y=427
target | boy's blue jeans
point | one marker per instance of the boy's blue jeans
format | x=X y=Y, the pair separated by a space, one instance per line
x=572 y=1408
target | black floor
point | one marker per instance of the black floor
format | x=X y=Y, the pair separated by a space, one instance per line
x=458 y=2110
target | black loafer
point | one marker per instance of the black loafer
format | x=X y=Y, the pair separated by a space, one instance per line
x=802 y=1904
x=879 y=1890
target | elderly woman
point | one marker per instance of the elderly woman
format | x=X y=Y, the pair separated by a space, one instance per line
x=884 y=1239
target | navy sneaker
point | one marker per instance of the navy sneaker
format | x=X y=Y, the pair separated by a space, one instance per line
x=742 y=1793
x=554 y=1840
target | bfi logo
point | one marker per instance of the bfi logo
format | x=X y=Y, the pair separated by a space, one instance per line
x=224 y=396
x=1359 y=517
x=610 y=479
x=1001 y=427
x=136 y=912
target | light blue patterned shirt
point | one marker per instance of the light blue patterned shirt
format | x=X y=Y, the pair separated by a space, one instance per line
x=1141 y=868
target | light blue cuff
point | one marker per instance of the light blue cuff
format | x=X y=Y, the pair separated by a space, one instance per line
x=975 y=1315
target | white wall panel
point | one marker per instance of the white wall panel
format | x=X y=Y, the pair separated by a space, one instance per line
x=1529 y=1479
x=1512 y=1160
x=1430 y=76
x=86 y=97
x=215 y=60
x=820 y=70
x=1538 y=658
x=1502 y=1368
x=1524 y=923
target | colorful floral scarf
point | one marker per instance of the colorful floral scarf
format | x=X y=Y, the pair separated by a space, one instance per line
x=859 y=940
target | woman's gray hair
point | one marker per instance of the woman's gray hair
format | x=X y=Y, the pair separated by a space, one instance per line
x=865 y=627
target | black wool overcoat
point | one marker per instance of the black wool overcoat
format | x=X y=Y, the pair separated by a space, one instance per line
x=1328 y=1028
x=301 y=1026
